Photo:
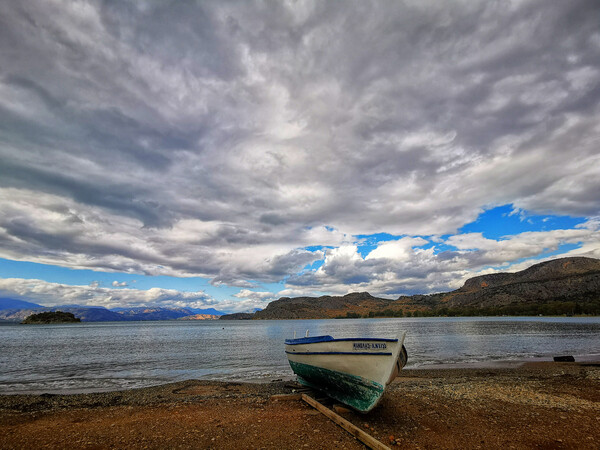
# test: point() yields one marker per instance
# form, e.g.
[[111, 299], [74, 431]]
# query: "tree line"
[[554, 308]]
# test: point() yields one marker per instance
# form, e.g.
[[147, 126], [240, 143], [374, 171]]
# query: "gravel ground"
[[547, 406]]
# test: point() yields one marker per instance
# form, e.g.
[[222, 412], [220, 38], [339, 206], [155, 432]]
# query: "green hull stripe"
[[352, 390]]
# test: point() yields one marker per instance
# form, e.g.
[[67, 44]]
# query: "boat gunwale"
[[319, 339], [340, 353]]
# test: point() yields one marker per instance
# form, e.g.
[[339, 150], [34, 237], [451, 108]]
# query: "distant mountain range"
[[560, 286], [13, 310], [11, 303]]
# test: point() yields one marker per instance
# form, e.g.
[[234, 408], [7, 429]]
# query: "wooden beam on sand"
[[359, 434], [286, 397]]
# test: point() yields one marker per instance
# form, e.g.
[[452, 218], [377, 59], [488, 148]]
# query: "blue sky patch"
[[505, 220], [366, 243]]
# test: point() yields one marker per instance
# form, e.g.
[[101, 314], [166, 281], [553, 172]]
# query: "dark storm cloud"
[[214, 138]]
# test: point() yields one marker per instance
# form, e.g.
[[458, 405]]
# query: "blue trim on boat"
[[367, 339], [338, 353], [316, 339], [309, 340]]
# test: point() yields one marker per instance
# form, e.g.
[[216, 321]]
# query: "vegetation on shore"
[[567, 308], [51, 317]]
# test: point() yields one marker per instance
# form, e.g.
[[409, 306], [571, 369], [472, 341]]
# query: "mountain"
[[237, 316], [11, 303], [560, 286], [101, 314], [154, 313], [75, 305], [210, 311], [322, 307], [93, 314], [201, 317], [559, 280], [18, 315], [246, 315]]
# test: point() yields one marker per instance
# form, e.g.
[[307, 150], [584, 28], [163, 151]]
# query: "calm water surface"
[[90, 357]]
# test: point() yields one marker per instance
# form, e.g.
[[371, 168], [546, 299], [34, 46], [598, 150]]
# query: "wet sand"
[[544, 405]]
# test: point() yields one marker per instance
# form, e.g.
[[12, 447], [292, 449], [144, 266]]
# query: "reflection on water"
[[117, 355]]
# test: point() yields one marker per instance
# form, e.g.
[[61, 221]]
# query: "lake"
[[91, 357]]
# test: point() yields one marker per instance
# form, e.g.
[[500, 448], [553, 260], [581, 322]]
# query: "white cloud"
[[248, 294], [523, 245], [396, 250], [54, 294], [400, 267]]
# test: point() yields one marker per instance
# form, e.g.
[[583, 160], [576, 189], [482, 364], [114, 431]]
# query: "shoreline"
[[547, 404], [226, 321], [470, 365]]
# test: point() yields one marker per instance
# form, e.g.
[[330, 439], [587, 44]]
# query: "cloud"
[[253, 299], [235, 141], [480, 251], [54, 294], [119, 284], [404, 267], [49, 229], [247, 293], [396, 250], [393, 268]]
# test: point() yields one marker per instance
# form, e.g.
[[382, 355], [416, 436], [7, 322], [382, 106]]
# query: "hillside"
[[200, 317], [237, 316], [559, 280], [551, 287], [322, 307]]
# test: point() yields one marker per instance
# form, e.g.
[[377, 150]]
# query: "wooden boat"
[[353, 371]]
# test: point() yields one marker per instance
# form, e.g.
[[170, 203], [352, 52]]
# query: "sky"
[[225, 154]]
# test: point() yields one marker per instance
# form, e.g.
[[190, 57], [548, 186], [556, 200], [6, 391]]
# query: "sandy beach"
[[543, 405]]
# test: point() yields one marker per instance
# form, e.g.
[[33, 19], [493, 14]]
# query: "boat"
[[353, 371]]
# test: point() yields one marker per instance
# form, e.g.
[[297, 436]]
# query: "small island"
[[51, 317]]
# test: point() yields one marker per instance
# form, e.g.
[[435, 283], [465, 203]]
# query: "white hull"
[[353, 371], [373, 359]]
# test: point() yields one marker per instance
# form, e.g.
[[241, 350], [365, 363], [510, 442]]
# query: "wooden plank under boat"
[[353, 371]]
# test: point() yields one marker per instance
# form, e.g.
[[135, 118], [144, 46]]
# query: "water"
[[91, 357]]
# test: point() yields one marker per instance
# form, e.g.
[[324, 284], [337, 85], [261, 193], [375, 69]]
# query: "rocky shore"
[[546, 405]]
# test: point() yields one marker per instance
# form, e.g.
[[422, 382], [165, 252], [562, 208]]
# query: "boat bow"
[[354, 371]]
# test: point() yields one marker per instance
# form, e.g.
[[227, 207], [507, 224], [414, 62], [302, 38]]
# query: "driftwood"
[[286, 397], [359, 434]]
